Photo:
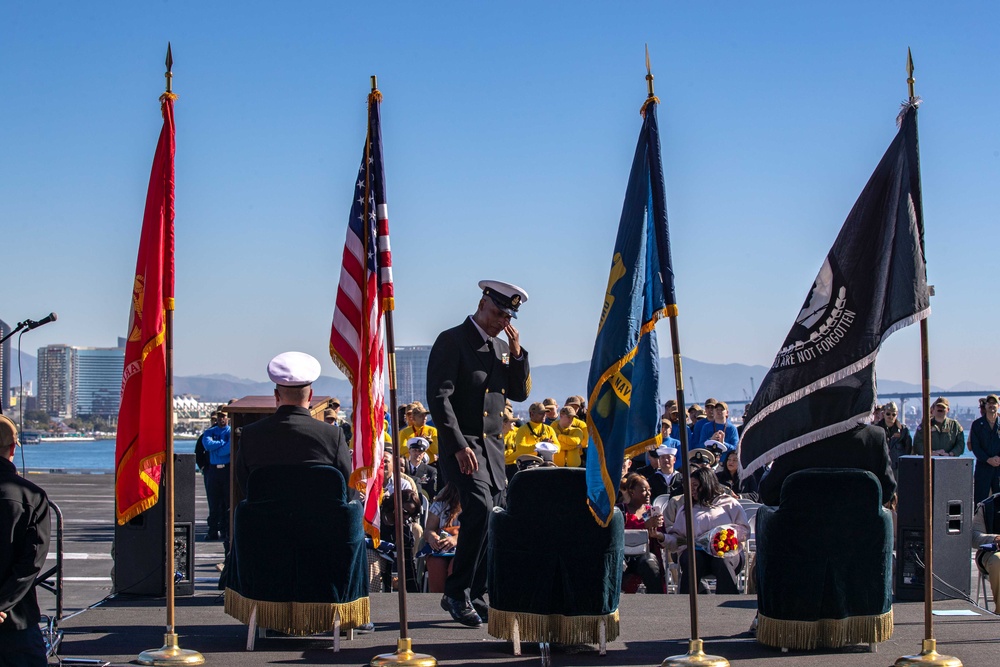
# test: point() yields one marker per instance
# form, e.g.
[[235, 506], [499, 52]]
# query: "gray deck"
[[653, 627]]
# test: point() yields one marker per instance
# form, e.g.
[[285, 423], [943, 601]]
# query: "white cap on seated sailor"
[[293, 369], [418, 443], [546, 450], [664, 450], [505, 296]]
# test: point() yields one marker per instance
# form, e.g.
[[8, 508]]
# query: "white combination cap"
[[506, 296], [293, 369], [418, 443]]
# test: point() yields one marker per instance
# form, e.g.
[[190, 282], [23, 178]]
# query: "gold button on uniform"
[[486, 414]]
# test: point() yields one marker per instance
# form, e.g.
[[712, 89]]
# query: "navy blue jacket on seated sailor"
[[216, 442]]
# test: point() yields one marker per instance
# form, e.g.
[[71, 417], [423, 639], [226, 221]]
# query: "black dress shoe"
[[461, 611], [212, 536], [482, 609]]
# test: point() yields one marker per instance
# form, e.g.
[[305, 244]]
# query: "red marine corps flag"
[[357, 337], [143, 417]]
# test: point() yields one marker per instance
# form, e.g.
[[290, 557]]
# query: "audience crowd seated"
[[557, 436]]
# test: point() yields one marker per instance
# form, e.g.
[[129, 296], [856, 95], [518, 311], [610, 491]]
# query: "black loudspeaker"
[[951, 523], [140, 550]]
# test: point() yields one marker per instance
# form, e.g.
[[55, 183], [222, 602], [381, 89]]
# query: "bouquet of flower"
[[720, 541]]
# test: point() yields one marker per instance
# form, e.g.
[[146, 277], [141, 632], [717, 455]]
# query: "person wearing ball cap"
[[291, 435], [471, 373]]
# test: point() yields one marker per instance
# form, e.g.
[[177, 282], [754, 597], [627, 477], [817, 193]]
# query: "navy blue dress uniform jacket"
[[863, 447], [288, 437], [467, 388], [24, 544]]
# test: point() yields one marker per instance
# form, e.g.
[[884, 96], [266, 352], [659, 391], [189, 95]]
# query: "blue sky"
[[509, 129]]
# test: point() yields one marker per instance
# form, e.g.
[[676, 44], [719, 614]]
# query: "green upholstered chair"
[[824, 562], [554, 574], [298, 562]]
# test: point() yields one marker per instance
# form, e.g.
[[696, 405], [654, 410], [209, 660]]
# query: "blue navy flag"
[[624, 414], [873, 282]]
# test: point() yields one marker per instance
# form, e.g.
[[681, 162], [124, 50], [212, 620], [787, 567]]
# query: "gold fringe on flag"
[[298, 618], [552, 627], [826, 632]]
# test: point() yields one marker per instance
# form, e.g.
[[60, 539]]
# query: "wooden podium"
[[247, 410]]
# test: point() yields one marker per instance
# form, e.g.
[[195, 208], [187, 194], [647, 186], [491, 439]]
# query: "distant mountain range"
[[727, 382], [734, 383]]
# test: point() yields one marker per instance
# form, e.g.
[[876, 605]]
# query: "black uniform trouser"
[[986, 481], [725, 570], [23, 648], [217, 492], [467, 580]]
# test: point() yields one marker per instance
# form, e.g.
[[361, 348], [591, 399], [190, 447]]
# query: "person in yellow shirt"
[[570, 438], [532, 432], [580, 418], [418, 428]]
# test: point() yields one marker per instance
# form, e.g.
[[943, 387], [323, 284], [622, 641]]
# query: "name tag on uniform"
[[505, 359]]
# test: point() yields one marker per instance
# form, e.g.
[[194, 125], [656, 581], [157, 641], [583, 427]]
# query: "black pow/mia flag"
[[874, 281]]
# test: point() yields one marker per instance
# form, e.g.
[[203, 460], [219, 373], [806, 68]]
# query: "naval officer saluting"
[[470, 375]]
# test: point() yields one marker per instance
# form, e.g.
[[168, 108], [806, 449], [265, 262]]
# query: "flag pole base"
[[929, 656], [170, 654], [404, 655], [695, 656]]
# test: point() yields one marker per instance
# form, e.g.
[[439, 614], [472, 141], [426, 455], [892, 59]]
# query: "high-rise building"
[[80, 381], [97, 380], [4, 366], [55, 380], [411, 373]]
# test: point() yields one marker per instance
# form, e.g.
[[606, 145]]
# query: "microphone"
[[51, 317]]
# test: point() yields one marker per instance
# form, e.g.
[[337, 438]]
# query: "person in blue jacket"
[[216, 442]]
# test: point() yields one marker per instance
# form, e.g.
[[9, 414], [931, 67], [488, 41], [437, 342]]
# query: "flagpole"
[[928, 654], [696, 654], [170, 653], [404, 654]]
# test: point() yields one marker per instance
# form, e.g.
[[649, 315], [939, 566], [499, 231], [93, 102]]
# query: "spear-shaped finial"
[[649, 74], [909, 70], [170, 65]]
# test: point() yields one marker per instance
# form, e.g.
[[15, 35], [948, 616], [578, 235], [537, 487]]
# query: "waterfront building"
[[55, 380], [4, 366], [80, 381], [411, 373], [97, 381]]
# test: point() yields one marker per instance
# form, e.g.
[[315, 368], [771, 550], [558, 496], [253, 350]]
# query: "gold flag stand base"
[[404, 655], [929, 656], [171, 654], [695, 656]]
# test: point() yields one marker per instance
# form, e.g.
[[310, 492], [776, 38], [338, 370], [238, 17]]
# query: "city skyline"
[[508, 133]]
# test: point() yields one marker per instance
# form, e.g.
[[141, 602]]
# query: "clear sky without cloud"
[[509, 129]]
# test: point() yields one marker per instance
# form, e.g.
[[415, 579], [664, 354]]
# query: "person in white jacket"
[[713, 507]]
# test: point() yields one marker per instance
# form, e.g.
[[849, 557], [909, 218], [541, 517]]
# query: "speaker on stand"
[[951, 527], [139, 547]]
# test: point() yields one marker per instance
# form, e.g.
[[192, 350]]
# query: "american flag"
[[357, 337]]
